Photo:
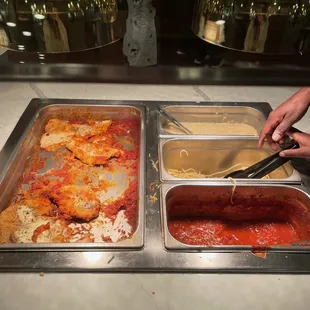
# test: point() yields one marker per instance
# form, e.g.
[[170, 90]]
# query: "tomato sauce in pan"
[[259, 224], [219, 232]]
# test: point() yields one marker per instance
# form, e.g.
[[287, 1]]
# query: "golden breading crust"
[[59, 132], [41, 206], [8, 224], [52, 141], [91, 130], [77, 202], [56, 125], [55, 200], [93, 151]]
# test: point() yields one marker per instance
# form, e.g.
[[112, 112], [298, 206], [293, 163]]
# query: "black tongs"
[[174, 121], [264, 167]]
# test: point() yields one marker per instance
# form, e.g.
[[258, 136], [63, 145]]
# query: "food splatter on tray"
[[80, 185]]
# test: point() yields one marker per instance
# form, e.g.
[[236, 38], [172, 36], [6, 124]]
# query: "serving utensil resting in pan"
[[264, 167], [174, 121]]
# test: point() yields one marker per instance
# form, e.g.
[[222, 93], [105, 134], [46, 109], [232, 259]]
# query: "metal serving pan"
[[211, 114], [14, 159], [153, 256], [215, 201], [211, 155]]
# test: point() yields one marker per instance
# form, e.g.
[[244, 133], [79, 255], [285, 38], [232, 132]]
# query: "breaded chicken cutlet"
[[59, 132]]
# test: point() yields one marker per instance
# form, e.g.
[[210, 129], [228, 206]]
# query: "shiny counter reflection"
[[256, 26], [61, 26]]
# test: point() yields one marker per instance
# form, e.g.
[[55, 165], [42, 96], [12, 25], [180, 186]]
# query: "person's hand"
[[303, 140], [283, 117]]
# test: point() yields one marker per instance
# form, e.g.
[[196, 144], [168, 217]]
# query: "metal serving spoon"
[[264, 167], [174, 121]]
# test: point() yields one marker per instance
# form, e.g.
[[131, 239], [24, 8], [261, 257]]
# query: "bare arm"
[[285, 116]]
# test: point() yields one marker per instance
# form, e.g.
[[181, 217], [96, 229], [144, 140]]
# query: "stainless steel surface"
[[288, 75], [219, 194], [153, 257], [21, 157], [271, 27], [221, 113], [209, 156], [170, 118], [62, 26]]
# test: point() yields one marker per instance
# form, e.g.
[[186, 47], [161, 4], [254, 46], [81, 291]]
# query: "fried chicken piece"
[[41, 206], [18, 221], [59, 132], [77, 202], [95, 151], [90, 130], [55, 125], [52, 141], [8, 224]]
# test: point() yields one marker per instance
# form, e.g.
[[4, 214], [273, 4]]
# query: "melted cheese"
[[50, 140], [102, 228], [29, 223], [121, 228], [48, 235], [92, 130]]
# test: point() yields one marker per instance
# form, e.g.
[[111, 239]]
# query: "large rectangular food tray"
[[213, 155], [220, 210], [148, 252], [27, 147], [230, 112]]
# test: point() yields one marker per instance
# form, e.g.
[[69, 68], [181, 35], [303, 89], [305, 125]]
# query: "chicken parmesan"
[[80, 185]]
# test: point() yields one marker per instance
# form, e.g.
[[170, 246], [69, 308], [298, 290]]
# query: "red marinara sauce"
[[255, 225]]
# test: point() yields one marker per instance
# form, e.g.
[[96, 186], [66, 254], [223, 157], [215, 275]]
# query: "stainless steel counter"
[[153, 257], [285, 75]]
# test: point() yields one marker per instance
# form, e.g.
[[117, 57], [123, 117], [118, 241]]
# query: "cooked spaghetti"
[[183, 151], [186, 174], [191, 173], [233, 189]]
